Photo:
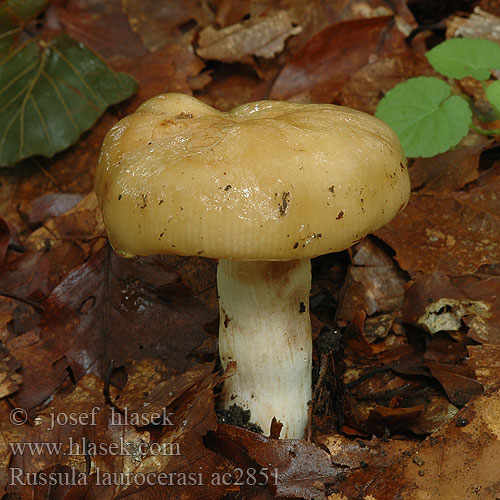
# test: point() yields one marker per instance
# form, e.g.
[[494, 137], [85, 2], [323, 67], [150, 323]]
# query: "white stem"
[[265, 327]]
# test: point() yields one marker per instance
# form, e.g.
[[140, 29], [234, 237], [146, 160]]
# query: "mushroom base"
[[265, 327]]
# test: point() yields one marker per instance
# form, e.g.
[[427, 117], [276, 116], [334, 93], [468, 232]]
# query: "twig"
[[30, 302], [322, 373]]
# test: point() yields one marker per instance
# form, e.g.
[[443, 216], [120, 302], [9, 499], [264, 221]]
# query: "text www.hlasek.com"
[[85, 447]]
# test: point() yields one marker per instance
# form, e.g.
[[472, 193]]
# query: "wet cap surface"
[[266, 181]]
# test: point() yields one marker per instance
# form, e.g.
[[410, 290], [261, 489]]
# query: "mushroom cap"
[[268, 180]]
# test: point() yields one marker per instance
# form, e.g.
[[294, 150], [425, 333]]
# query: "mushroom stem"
[[265, 327]]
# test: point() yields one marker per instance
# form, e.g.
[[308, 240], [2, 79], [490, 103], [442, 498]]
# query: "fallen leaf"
[[10, 380], [168, 69], [374, 284], [4, 239], [461, 457], [449, 171], [484, 360], [435, 303], [263, 36], [102, 26], [318, 72], [362, 460], [100, 312], [296, 468], [460, 233], [365, 87], [161, 23], [51, 93], [51, 205], [480, 24]]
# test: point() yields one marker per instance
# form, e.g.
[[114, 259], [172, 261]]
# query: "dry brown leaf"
[[460, 459], [159, 23], [102, 26], [10, 380], [168, 69], [365, 87], [296, 468], [456, 233], [374, 284], [318, 72], [170, 443], [362, 460], [484, 360], [479, 24], [449, 171], [81, 225], [263, 36]]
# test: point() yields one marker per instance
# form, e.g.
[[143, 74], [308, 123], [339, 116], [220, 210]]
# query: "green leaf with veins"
[[426, 118], [493, 95], [50, 94], [13, 15], [461, 57]]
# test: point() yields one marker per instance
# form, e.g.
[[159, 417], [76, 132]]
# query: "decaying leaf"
[[479, 24], [432, 303], [125, 444], [263, 36]]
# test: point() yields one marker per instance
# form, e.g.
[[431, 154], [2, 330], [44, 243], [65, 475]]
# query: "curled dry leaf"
[[480, 24], [263, 36], [374, 284], [435, 303]]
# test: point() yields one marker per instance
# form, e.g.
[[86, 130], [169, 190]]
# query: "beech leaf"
[[50, 94]]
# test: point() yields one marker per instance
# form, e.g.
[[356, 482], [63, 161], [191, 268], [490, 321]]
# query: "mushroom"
[[263, 188]]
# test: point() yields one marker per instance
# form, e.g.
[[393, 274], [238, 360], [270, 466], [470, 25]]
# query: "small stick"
[[322, 373]]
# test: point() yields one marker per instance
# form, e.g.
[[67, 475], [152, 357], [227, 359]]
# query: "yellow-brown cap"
[[266, 181]]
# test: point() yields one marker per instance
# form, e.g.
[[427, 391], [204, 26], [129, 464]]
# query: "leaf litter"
[[406, 324]]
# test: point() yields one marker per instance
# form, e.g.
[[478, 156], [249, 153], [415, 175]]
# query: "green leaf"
[[493, 95], [13, 15], [461, 57], [427, 120], [50, 94]]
